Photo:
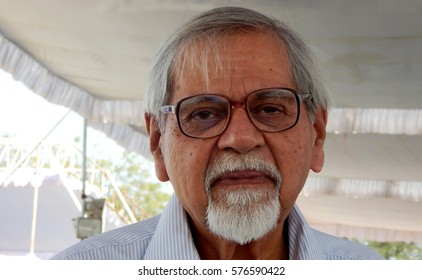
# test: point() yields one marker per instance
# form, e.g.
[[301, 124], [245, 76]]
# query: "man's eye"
[[206, 114], [202, 115], [271, 110], [268, 110]]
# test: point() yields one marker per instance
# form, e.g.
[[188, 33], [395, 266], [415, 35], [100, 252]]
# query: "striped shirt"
[[168, 237]]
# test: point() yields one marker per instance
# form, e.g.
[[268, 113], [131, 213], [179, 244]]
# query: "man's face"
[[247, 62]]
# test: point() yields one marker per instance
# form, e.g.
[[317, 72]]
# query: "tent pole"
[[34, 220], [84, 153]]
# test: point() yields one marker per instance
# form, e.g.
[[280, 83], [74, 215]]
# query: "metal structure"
[[26, 163]]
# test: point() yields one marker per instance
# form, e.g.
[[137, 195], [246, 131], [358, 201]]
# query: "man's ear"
[[319, 125], [155, 147]]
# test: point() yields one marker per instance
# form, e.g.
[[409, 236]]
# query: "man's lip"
[[242, 177]]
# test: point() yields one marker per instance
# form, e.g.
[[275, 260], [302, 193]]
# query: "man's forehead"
[[205, 62]]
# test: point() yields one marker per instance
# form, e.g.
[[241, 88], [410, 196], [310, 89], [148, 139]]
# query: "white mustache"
[[231, 162]]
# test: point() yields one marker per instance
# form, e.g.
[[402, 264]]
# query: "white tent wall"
[[93, 57]]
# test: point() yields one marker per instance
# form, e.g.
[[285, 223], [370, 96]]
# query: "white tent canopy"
[[94, 56]]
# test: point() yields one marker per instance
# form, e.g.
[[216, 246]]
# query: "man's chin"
[[243, 216]]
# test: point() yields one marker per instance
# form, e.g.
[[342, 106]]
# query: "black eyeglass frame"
[[174, 109]]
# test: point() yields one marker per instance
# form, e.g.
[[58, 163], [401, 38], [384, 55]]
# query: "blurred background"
[[74, 156]]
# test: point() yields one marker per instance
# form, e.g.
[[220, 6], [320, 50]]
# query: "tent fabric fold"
[[375, 120], [358, 188], [113, 117], [35, 76]]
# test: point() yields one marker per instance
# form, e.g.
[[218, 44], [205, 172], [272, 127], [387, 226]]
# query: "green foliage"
[[133, 175], [397, 250]]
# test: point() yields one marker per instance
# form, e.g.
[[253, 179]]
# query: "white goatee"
[[242, 215]]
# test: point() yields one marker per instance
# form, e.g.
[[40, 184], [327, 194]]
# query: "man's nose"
[[240, 134]]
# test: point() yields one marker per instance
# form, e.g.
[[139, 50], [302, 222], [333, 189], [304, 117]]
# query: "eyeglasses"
[[208, 115]]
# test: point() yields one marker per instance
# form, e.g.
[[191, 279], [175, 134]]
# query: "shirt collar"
[[302, 242], [172, 239]]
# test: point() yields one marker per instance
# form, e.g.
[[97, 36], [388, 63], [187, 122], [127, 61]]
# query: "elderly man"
[[236, 116]]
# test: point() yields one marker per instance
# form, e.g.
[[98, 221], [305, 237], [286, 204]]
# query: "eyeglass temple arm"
[[166, 109]]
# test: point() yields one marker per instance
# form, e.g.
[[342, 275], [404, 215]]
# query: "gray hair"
[[215, 24]]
